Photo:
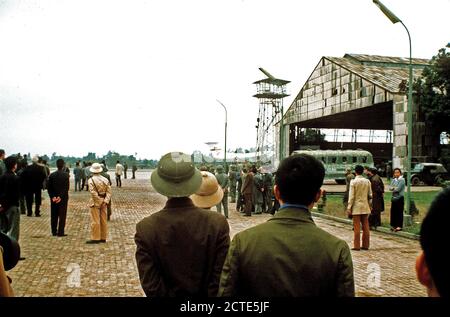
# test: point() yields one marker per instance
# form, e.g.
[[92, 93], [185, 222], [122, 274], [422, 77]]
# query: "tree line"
[[110, 159]]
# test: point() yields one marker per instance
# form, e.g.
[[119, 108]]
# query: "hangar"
[[361, 92]]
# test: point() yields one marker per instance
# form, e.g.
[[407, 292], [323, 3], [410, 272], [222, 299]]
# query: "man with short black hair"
[[58, 190], [432, 264], [289, 255], [32, 180], [359, 207]]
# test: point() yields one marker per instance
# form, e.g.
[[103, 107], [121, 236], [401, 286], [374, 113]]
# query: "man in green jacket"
[[180, 250], [223, 181], [289, 255]]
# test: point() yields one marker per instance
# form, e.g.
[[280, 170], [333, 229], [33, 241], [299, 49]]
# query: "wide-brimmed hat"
[[176, 176], [96, 168], [209, 194], [11, 251]]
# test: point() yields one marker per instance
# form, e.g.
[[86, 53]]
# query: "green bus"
[[337, 161]]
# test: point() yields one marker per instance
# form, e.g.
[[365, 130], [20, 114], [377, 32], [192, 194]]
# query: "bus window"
[[344, 159], [355, 159], [333, 160], [323, 159], [364, 159]]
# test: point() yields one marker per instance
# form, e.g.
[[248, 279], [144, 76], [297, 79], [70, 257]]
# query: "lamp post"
[[282, 135], [225, 150], [394, 19]]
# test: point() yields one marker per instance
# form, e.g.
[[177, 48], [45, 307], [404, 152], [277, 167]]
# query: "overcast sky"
[[80, 76]]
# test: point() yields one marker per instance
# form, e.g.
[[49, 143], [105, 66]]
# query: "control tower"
[[270, 93]]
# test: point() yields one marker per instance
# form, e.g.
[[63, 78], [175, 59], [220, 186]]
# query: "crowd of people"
[[286, 256], [185, 249], [247, 185], [364, 202], [22, 185]]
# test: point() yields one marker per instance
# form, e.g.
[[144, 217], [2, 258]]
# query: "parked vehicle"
[[429, 174], [337, 161]]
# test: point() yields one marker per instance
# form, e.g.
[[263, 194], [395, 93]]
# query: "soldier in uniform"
[[223, 181], [100, 197], [83, 175], [125, 169], [240, 197], [258, 190], [247, 192], [233, 176], [133, 170], [268, 185]]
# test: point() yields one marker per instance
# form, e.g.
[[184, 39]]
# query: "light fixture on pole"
[[394, 19], [225, 149]]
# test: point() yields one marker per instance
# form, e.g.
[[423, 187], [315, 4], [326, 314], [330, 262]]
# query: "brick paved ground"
[[110, 269]]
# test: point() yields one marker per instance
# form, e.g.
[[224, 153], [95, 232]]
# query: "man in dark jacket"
[[9, 199], [247, 191], [377, 197], [21, 166], [58, 190], [432, 262], [289, 255], [180, 249], [32, 180], [133, 170]]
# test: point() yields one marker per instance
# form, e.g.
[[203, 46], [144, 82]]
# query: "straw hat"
[[96, 168], [176, 176], [209, 193]]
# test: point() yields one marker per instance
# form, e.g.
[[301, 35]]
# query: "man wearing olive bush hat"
[[180, 249]]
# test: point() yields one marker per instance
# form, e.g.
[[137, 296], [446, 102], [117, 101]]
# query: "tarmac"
[[66, 266]]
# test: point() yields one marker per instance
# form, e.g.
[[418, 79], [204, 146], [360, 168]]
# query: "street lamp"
[[394, 19], [225, 150]]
